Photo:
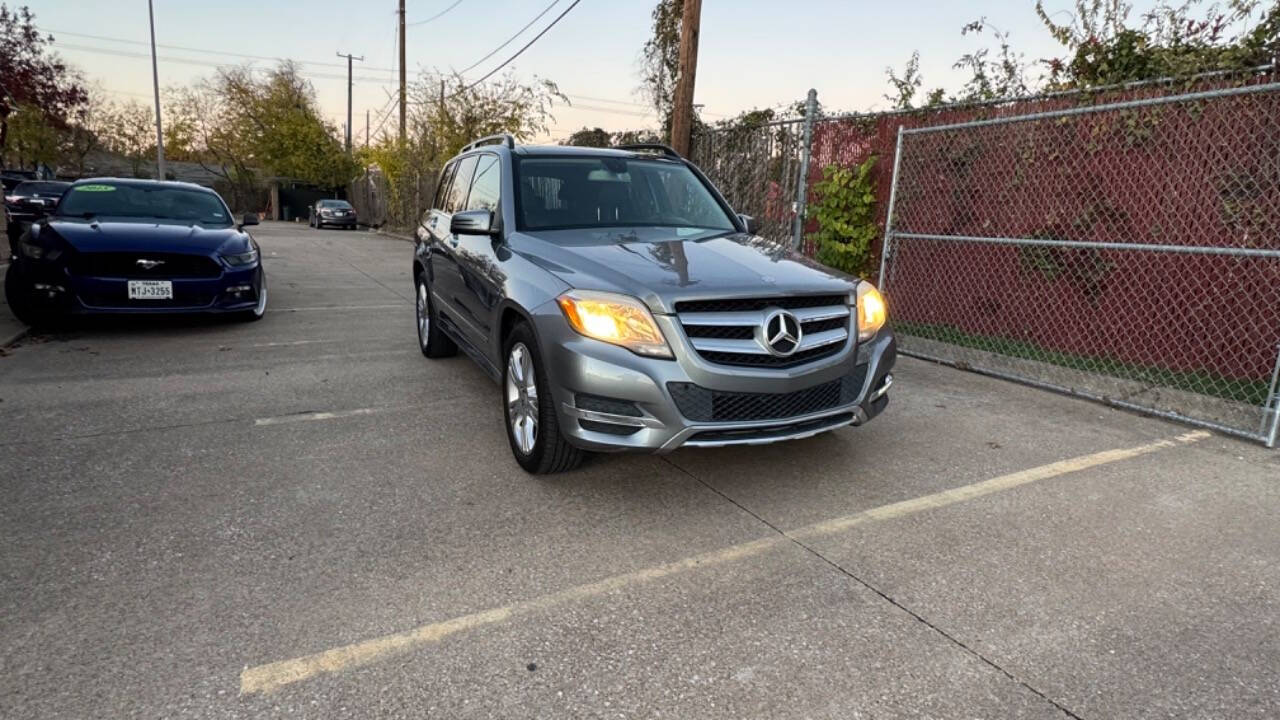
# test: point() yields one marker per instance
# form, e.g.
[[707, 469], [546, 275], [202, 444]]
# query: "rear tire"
[[533, 427], [431, 338]]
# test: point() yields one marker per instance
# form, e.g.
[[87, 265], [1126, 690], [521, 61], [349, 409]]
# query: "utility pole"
[[155, 81], [682, 109], [349, 59], [366, 127], [403, 102]]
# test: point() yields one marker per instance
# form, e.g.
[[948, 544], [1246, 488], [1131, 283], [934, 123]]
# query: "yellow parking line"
[[272, 676]]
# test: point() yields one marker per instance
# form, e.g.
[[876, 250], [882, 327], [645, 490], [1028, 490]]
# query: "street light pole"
[[155, 80]]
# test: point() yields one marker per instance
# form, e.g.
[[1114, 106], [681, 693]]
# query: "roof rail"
[[499, 139], [664, 149]]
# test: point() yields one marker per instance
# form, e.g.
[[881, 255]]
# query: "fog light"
[[237, 289]]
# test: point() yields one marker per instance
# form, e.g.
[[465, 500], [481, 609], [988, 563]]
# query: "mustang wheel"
[[24, 304], [260, 309], [532, 425]]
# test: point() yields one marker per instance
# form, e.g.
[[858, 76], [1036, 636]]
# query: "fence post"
[[802, 184], [887, 246], [1273, 401]]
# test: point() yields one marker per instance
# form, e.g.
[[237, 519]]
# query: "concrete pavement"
[[193, 509]]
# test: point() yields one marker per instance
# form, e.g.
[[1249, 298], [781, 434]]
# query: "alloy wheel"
[[424, 315], [522, 398]]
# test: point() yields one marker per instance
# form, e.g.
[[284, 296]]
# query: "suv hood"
[[663, 265], [144, 236]]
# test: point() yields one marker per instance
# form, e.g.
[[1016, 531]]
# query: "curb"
[[14, 338], [396, 236]]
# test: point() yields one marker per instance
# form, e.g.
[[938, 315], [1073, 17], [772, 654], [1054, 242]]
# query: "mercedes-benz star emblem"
[[781, 333], [149, 264]]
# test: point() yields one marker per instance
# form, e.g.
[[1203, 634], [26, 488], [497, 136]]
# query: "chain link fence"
[[757, 169], [1127, 252]]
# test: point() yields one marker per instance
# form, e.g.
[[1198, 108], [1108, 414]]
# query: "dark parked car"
[[136, 246], [28, 201], [622, 305], [333, 213]]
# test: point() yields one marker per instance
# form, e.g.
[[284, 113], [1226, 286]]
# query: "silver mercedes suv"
[[622, 305]]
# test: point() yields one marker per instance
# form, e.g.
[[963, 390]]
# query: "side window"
[[443, 188], [487, 186], [457, 198]]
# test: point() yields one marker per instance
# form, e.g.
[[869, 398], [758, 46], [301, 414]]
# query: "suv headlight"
[[241, 259], [617, 319], [872, 311]]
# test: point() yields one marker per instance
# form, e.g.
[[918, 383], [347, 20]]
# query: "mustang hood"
[[141, 236], [662, 265]]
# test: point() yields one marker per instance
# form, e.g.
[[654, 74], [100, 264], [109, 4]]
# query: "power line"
[[207, 63], [527, 45], [510, 39], [197, 50], [436, 16]]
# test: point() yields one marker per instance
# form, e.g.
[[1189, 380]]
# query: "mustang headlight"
[[872, 311], [242, 259], [35, 252], [617, 319]]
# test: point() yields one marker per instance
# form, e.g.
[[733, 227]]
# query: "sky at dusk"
[[753, 53]]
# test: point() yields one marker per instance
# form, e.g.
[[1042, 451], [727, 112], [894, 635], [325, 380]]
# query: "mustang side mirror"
[[472, 222], [248, 219], [749, 223]]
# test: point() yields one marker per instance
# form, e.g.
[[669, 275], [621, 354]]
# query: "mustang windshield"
[[556, 193], [161, 202]]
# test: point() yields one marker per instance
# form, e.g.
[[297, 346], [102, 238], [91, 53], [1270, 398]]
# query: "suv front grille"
[[703, 405], [729, 331]]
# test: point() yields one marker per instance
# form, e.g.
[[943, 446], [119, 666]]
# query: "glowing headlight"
[[872, 311], [617, 319]]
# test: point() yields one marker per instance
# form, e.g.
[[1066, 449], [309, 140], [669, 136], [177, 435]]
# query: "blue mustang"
[[136, 246]]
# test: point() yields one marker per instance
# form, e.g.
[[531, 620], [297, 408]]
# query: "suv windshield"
[[556, 193], [141, 201]]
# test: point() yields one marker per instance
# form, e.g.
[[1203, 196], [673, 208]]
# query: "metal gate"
[[1127, 252]]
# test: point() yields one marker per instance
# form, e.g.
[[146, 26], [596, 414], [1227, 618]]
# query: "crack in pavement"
[[883, 595]]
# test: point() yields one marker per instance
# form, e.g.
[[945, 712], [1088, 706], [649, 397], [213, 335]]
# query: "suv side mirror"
[[249, 219], [749, 223], [472, 222]]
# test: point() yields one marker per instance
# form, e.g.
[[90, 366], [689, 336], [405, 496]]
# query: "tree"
[[450, 112], [31, 76], [129, 129], [590, 137], [660, 58]]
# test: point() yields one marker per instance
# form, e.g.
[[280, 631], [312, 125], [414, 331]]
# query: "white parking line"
[[272, 676], [313, 416], [292, 343], [399, 306]]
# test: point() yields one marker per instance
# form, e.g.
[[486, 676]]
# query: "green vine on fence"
[[844, 205]]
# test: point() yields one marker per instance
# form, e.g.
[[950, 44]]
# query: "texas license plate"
[[150, 290]]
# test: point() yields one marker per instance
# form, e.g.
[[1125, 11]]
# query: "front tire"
[[533, 427], [23, 303], [260, 310], [431, 338]]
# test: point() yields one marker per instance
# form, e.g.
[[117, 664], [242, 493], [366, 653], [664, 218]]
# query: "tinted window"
[[443, 188], [338, 204], [457, 198], [487, 185], [44, 188], [576, 192], [142, 201]]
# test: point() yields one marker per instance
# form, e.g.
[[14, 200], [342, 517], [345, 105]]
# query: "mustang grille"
[[125, 265]]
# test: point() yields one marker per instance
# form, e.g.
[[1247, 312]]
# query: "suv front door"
[[477, 257], [446, 280]]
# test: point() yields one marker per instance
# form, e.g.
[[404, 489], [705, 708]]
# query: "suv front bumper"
[[610, 399]]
